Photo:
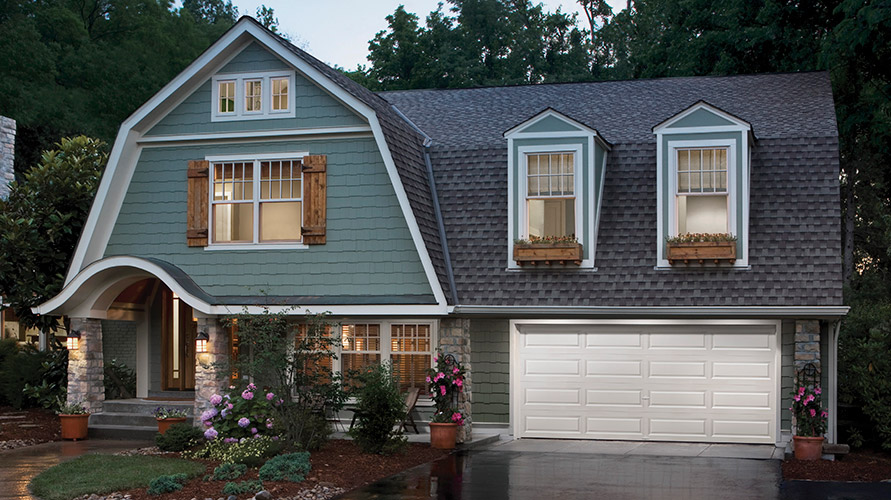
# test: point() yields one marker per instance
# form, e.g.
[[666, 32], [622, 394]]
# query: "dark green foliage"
[[179, 437], [242, 487], [167, 484], [40, 224], [226, 472], [292, 467], [29, 377], [120, 381], [380, 407]]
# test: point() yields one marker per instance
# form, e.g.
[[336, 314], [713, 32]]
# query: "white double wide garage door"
[[694, 382]]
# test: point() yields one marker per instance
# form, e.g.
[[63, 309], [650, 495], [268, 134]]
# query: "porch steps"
[[131, 418]]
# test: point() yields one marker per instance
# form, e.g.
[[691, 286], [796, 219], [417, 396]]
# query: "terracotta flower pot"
[[808, 448], [74, 426], [443, 436], [165, 423]]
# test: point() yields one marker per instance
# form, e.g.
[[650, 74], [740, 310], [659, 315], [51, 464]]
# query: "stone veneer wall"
[[7, 154], [212, 367], [807, 344], [119, 342], [86, 380], [454, 339]]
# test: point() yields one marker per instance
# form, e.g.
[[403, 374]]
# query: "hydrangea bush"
[[240, 414], [445, 382], [808, 414]]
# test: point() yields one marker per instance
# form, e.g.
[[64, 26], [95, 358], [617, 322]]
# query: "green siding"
[[313, 106], [520, 181], [701, 118], [490, 359], [788, 374], [550, 124], [666, 195], [369, 250]]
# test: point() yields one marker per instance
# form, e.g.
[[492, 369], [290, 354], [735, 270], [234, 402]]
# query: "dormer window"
[[550, 194], [702, 198], [252, 96]]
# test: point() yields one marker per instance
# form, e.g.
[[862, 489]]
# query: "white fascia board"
[[739, 124], [105, 210], [314, 133], [799, 312]]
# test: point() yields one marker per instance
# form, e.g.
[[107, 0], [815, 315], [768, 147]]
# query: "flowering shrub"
[[240, 414], [700, 237], [249, 451], [808, 414], [547, 240], [445, 382], [163, 413]]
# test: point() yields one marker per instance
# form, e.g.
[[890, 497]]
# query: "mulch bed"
[[859, 465], [26, 427], [339, 464]]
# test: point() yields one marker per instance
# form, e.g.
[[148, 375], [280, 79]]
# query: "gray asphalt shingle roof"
[[794, 210]]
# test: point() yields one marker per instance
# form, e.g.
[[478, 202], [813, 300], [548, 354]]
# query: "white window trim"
[[256, 244], [386, 345], [241, 80], [521, 197], [734, 192]]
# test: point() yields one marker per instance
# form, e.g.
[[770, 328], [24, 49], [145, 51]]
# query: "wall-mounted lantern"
[[201, 342], [73, 340]]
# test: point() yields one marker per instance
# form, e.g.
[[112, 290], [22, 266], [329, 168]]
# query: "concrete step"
[[143, 406], [122, 431], [131, 419], [173, 395]]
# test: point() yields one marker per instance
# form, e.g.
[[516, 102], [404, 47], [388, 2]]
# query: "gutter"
[[759, 312], [437, 210]]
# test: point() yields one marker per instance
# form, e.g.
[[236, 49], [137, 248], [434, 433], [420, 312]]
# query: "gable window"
[[253, 96], [550, 194], [257, 201], [279, 94], [702, 198], [226, 99]]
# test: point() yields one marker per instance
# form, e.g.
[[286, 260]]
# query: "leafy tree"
[[212, 11], [41, 222]]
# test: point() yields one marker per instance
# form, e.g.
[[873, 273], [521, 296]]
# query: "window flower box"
[[561, 252], [717, 247]]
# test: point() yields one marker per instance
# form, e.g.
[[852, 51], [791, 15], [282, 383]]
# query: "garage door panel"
[[704, 383], [551, 397], [603, 368], [614, 398]]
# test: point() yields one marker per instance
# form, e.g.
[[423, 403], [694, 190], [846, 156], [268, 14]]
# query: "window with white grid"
[[253, 96], [233, 205], [281, 200], [410, 350], [226, 91], [360, 346], [702, 198], [550, 194], [280, 94]]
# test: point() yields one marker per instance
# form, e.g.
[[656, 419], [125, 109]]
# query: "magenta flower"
[[458, 382], [269, 396], [229, 406], [208, 423], [824, 414], [216, 399], [455, 370], [442, 390], [243, 422], [429, 380], [813, 412], [210, 434], [818, 391], [251, 387], [247, 394]]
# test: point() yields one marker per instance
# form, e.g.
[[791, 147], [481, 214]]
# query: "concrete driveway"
[[541, 469]]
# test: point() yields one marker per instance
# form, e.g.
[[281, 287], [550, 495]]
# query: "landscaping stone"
[[263, 495]]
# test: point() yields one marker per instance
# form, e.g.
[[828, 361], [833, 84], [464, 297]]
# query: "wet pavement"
[[19, 466]]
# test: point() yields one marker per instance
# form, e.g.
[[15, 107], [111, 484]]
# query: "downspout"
[[437, 210], [833, 382]]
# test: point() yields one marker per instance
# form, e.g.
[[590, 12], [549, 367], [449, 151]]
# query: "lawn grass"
[[106, 473]]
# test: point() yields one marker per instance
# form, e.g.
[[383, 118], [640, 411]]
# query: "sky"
[[338, 31]]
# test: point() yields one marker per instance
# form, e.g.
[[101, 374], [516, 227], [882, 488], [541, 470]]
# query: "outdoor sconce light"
[[73, 340], [201, 349]]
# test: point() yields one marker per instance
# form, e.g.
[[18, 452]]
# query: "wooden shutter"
[[315, 188], [196, 228]]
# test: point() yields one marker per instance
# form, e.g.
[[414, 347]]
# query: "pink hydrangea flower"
[[269, 396], [247, 394], [216, 399], [251, 387]]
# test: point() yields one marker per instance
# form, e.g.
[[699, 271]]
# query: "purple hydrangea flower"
[[269, 396], [243, 422], [211, 434], [208, 423], [248, 395], [216, 399], [209, 414], [253, 430], [230, 440], [224, 413]]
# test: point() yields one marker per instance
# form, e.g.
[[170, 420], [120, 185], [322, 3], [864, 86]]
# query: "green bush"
[[120, 381], [380, 408], [167, 484], [865, 383], [292, 467], [179, 437], [252, 452], [242, 487], [21, 367], [53, 377], [226, 472]]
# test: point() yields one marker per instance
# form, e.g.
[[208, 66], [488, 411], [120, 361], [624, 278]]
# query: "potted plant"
[[809, 418], [445, 382], [548, 250], [168, 416], [74, 419], [717, 247]]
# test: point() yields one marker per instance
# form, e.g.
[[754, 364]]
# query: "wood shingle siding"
[[490, 357]]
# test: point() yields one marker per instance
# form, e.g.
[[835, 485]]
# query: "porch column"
[[86, 378], [212, 367], [807, 344], [454, 339]]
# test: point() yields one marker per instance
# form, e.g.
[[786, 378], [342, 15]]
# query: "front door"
[[180, 329]]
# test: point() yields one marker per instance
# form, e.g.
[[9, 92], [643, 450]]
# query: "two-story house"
[[260, 177]]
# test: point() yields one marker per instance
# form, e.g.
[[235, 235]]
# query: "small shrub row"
[[242, 487], [227, 472], [179, 437], [292, 467], [167, 484]]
